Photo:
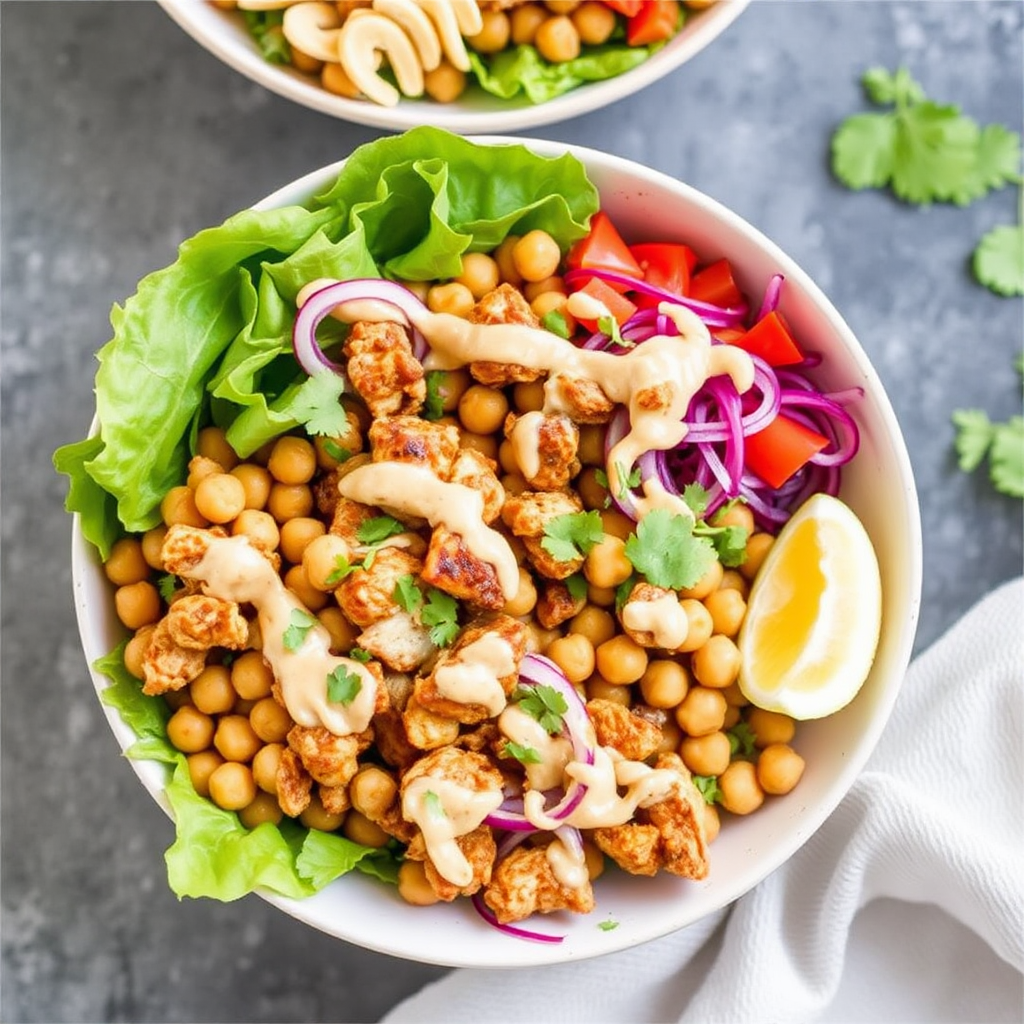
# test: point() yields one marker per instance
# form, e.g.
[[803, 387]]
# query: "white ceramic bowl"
[[225, 36], [879, 486]]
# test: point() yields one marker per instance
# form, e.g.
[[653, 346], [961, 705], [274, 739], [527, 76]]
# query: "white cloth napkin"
[[907, 904]]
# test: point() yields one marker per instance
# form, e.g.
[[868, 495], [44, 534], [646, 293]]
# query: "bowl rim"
[[201, 23], [473, 951]]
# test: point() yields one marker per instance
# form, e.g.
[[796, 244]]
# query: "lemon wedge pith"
[[813, 615]]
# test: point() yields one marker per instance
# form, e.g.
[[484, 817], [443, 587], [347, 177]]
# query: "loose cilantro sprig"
[[544, 704], [666, 550], [742, 740], [555, 322], [628, 480], [316, 405], [522, 753], [571, 536], [343, 568], [343, 686], [609, 326], [300, 622], [433, 405], [707, 786], [438, 610], [168, 585]]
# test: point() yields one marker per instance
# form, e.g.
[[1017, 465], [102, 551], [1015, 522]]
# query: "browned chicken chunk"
[[329, 759], [383, 370], [528, 513], [557, 439], [476, 471], [413, 440], [504, 305], [367, 595], [635, 738], [202, 622], [557, 605], [452, 567], [166, 665], [524, 883]]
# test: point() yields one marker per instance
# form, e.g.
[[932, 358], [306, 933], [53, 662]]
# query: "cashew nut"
[[445, 15], [265, 5], [360, 39], [410, 16], [313, 28]]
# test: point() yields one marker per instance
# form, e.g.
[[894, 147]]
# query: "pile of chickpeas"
[[232, 729]]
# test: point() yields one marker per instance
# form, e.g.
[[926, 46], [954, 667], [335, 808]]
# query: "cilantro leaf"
[[998, 260], [407, 594], [360, 655], [696, 498], [601, 477], [267, 30], [623, 590], [378, 529], [434, 806], [666, 551], [707, 786], [316, 404], [342, 569], [167, 585], [577, 586], [335, 450], [996, 162], [433, 405], [610, 326], [300, 622], [608, 926], [571, 536], [973, 437], [1003, 443], [522, 753], [555, 322], [729, 542], [544, 704], [343, 686], [628, 479], [741, 740], [441, 613]]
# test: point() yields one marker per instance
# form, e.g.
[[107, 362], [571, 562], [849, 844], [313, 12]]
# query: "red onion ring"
[[770, 301], [510, 929]]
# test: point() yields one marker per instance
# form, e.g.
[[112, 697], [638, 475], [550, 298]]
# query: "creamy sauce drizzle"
[[233, 570], [412, 490], [444, 810], [663, 617], [568, 865], [473, 678], [555, 752], [525, 440]]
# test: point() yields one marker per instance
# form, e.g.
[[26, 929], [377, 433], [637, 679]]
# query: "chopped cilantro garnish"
[[623, 590], [433, 405], [696, 497], [335, 451], [1003, 444], [168, 585], [522, 753], [358, 654], [342, 568], [407, 594], [434, 806], [610, 326], [707, 786], [666, 551], [316, 406], [378, 529], [568, 537], [998, 260], [628, 479], [300, 622], [741, 740], [608, 926], [576, 584], [729, 542], [555, 322], [441, 613], [544, 704], [343, 686]]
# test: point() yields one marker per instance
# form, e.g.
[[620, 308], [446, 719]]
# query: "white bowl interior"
[[223, 34], [647, 205]]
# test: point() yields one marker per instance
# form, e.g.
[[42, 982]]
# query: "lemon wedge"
[[813, 615]]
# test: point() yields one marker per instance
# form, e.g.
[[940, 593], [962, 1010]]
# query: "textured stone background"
[[120, 137]]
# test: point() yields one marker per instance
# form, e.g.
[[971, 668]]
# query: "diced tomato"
[[666, 265], [770, 339], [715, 284], [655, 22], [783, 447], [729, 335], [617, 304], [604, 249], [626, 7]]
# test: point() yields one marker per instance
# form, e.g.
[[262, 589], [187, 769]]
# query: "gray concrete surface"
[[120, 137]]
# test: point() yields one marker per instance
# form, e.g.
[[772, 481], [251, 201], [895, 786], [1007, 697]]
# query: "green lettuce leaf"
[[145, 716], [96, 507], [325, 856]]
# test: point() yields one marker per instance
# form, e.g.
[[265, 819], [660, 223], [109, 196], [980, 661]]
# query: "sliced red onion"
[[304, 342], [770, 301], [510, 929], [618, 428]]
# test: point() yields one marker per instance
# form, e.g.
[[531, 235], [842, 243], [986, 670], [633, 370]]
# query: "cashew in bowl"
[[314, 27], [361, 38]]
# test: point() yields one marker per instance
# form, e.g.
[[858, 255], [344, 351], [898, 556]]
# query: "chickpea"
[[779, 769], [590, 449], [175, 699], [372, 791], [212, 692], [606, 564], [700, 625], [413, 886], [212, 443], [594, 22], [707, 583], [736, 513], [292, 460], [557, 40], [536, 255], [220, 497], [199, 468], [741, 792], [554, 302], [671, 737], [317, 816], [621, 660], [524, 21], [716, 663], [758, 545], [483, 409], [712, 823], [360, 829], [454, 298], [200, 767], [264, 807], [135, 650], [485, 444], [232, 786], [600, 689], [256, 481], [528, 396], [289, 501], [596, 624], [260, 527], [479, 273], [265, 765], [331, 452], [190, 730], [734, 696], [297, 534], [306, 63], [701, 712], [539, 639], [251, 676], [445, 83], [617, 524], [494, 34], [514, 483], [526, 596], [152, 544], [535, 289], [706, 755], [343, 633], [732, 717], [179, 507], [664, 684], [270, 721], [451, 386], [506, 265], [324, 559], [335, 80], [137, 604], [770, 728], [574, 655], [127, 563], [603, 596], [235, 738], [296, 580], [592, 492], [727, 608], [732, 579]]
